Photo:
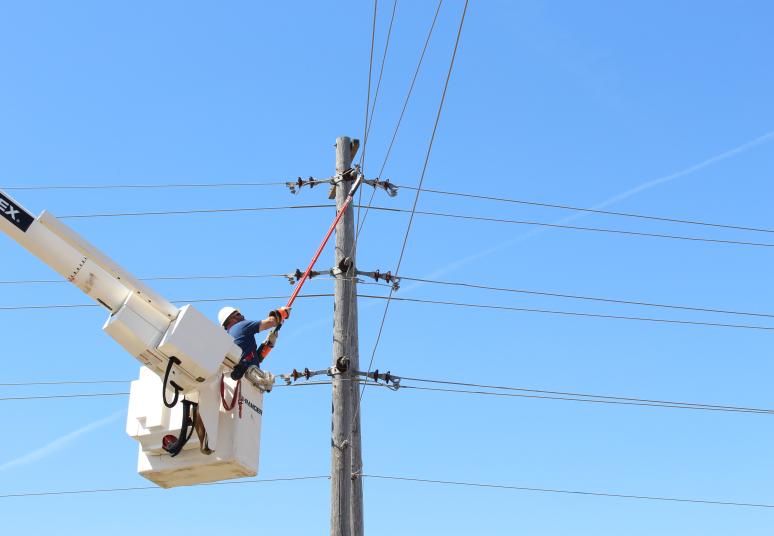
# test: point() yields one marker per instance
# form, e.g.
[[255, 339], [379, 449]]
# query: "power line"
[[103, 395], [141, 488], [424, 213], [360, 223], [619, 399], [416, 197], [411, 87], [421, 178], [157, 278], [590, 210], [381, 72], [575, 227], [438, 282], [540, 394], [571, 492], [579, 297], [570, 313], [427, 190], [62, 382], [399, 478], [79, 395], [144, 186], [430, 302], [593, 400], [193, 278], [200, 300], [368, 92], [195, 211]]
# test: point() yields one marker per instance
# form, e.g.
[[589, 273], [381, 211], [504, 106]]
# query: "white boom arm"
[[146, 324], [156, 333]]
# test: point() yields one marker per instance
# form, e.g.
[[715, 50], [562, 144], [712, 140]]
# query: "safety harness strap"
[[228, 406], [201, 432]]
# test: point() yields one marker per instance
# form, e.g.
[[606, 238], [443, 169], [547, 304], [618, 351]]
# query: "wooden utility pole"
[[346, 503]]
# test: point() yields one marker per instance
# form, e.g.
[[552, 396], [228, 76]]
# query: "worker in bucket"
[[244, 332]]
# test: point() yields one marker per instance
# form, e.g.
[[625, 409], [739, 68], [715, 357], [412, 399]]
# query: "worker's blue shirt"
[[244, 335]]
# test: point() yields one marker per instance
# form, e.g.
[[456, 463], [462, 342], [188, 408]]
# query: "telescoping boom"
[[181, 345], [182, 352]]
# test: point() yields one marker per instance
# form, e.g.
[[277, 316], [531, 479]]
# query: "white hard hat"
[[224, 313]]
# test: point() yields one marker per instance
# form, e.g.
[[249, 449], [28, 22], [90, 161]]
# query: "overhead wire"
[[192, 211], [360, 224], [492, 307], [103, 395], [368, 92], [367, 130], [569, 313], [61, 382], [90, 491], [198, 300], [488, 389], [571, 492], [573, 227], [589, 210], [697, 407], [586, 395], [583, 297], [142, 488], [416, 200], [414, 212], [144, 186], [77, 395], [461, 284], [407, 187], [155, 278], [381, 72]]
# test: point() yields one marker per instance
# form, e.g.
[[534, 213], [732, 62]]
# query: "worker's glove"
[[280, 315]]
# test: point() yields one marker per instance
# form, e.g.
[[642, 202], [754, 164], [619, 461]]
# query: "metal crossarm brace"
[[390, 380], [349, 175]]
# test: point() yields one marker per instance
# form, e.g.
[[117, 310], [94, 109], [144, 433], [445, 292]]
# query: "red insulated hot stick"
[[268, 344]]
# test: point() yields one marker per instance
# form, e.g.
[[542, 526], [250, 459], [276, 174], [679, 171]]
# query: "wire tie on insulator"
[[395, 384], [392, 191]]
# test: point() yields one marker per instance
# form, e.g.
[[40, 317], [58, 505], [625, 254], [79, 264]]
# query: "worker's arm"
[[275, 318], [268, 323]]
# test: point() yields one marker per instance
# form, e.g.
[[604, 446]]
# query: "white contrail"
[[610, 201], [59, 443], [687, 171]]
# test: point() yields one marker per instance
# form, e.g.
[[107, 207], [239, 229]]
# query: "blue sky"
[[658, 108]]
